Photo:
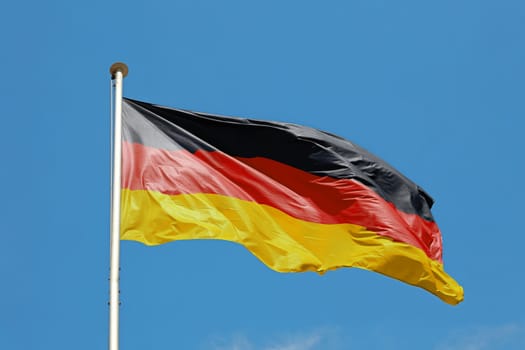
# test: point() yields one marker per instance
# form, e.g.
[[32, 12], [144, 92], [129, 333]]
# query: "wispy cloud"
[[237, 342], [322, 339], [304, 342], [508, 336]]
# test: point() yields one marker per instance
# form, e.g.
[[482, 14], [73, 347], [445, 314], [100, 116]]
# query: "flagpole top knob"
[[118, 67]]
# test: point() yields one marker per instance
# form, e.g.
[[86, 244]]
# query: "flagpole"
[[118, 72]]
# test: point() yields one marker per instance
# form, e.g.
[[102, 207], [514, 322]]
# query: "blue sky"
[[435, 88]]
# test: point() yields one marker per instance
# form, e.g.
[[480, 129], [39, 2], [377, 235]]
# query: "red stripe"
[[265, 181]]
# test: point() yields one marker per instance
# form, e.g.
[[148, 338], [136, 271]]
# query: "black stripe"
[[305, 148]]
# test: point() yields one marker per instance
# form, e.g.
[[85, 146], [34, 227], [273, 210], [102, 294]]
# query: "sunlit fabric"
[[298, 198]]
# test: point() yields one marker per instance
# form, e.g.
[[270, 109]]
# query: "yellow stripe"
[[283, 243]]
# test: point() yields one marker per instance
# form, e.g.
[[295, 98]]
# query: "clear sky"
[[436, 88]]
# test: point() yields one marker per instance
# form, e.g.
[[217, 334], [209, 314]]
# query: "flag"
[[298, 198]]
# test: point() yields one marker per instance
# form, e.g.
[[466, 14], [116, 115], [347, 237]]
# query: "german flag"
[[298, 198]]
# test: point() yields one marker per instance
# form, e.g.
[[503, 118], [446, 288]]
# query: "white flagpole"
[[118, 72]]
